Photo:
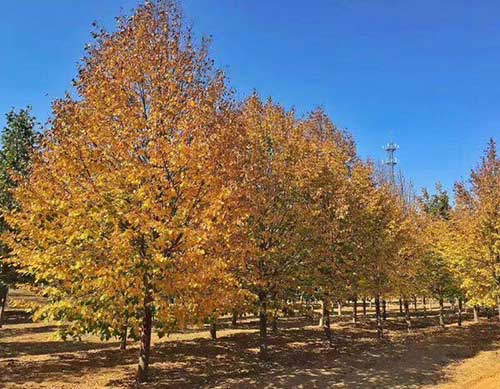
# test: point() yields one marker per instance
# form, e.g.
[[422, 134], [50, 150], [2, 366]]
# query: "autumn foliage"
[[155, 200]]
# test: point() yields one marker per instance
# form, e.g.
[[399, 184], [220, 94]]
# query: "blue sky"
[[426, 73]]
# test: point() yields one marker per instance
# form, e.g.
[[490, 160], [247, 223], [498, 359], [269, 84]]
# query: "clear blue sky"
[[427, 72]]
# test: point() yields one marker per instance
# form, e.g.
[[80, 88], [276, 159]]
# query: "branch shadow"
[[297, 357]]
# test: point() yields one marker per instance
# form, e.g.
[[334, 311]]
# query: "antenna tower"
[[391, 161]]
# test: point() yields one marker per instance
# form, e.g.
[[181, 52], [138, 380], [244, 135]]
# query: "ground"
[[469, 357]]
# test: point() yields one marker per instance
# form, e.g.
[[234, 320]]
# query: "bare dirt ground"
[[469, 357]]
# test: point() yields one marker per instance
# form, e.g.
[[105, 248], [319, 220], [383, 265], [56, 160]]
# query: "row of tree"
[[153, 197]]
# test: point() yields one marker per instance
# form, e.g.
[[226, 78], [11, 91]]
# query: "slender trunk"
[[144, 353], [475, 310], [407, 315], [274, 322], [123, 336], [213, 328], [380, 328], [3, 302], [384, 309], [370, 303], [400, 307], [234, 320], [459, 313], [339, 308], [355, 310], [441, 312], [263, 326], [415, 303], [364, 307], [425, 307], [322, 317], [326, 322]]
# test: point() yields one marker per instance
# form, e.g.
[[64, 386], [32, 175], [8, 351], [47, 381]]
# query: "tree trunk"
[[4, 293], [234, 320], [407, 315], [326, 322], [322, 317], [213, 328], [355, 310], [123, 336], [339, 308], [263, 326], [144, 353], [475, 310], [415, 303], [370, 303], [384, 309], [425, 307], [380, 328], [459, 312], [274, 322], [441, 312], [401, 307], [364, 307]]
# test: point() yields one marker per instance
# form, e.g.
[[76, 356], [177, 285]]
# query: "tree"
[[18, 141], [330, 212], [271, 150], [441, 281], [379, 241], [473, 245], [124, 213]]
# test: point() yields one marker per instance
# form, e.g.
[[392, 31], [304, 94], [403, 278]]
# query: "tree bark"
[[322, 317], [364, 307], [459, 312], [407, 315], [441, 312], [400, 306], [384, 309], [425, 307], [415, 303], [213, 328], [234, 320], [339, 308], [475, 310], [274, 322], [123, 337], [355, 310], [326, 322], [263, 326], [4, 293], [144, 353], [380, 328]]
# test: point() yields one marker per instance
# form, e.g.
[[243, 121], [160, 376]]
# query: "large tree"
[[123, 215]]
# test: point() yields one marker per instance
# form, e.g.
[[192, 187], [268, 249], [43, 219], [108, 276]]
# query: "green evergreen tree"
[[18, 138]]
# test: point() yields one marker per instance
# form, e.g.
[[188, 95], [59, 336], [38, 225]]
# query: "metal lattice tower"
[[391, 160]]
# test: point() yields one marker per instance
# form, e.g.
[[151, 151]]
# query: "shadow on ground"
[[298, 356]]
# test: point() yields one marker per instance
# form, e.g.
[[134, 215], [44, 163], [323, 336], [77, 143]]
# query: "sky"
[[425, 74]]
